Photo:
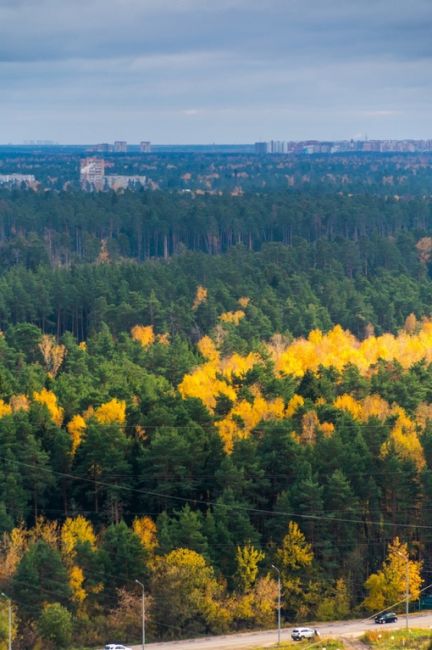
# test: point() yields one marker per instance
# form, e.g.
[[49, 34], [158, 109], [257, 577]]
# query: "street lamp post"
[[407, 589], [143, 612], [9, 620], [407, 585], [279, 601]]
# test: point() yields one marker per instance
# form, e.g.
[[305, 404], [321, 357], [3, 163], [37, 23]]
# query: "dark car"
[[387, 617]]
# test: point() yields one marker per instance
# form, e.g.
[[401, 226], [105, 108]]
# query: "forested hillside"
[[192, 390]]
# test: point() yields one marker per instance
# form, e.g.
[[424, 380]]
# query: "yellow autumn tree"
[[146, 530], [75, 530], [247, 560], [388, 585], [112, 412], [144, 334], [5, 409], [295, 403], [19, 403], [49, 399], [292, 558], [46, 530], [310, 427], [53, 354], [76, 429], [232, 317], [13, 546], [208, 349], [187, 594], [348, 403], [76, 581], [404, 441], [200, 297]]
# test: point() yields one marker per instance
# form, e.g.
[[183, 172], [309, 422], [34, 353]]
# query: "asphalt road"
[[246, 640]]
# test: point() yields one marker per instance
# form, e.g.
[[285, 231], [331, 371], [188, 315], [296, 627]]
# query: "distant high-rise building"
[[278, 146], [120, 146], [262, 147], [92, 173], [145, 146]]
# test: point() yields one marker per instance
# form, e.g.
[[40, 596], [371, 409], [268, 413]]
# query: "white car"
[[300, 633], [116, 646]]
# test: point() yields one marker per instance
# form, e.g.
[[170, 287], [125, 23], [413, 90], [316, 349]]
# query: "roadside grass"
[[399, 639]]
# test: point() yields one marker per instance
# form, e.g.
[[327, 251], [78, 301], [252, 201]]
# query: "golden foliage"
[[244, 301], [146, 530], [5, 409], [76, 428], [49, 399], [374, 406], [104, 256], [310, 426], [19, 403], [83, 346], [52, 354], [233, 317], [204, 382], [423, 415], [46, 530], [339, 347], [327, 429], [404, 440], [245, 416], [424, 247], [13, 547], [200, 297], [247, 559], [74, 530], [295, 551], [257, 606], [410, 325], [236, 366], [208, 349], [163, 339], [348, 403], [76, 581], [294, 404], [388, 585], [112, 412], [219, 376], [143, 334]]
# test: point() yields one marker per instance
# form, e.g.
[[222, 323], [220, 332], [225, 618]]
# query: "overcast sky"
[[224, 71]]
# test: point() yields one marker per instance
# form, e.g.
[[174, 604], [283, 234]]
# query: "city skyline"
[[193, 71]]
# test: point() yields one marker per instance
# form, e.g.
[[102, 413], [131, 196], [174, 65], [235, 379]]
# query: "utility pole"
[[9, 620], [143, 612], [279, 601]]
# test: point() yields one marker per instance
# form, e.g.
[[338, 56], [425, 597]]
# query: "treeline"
[[69, 227], [292, 289]]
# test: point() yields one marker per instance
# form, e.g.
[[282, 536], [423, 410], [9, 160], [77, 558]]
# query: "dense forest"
[[193, 389]]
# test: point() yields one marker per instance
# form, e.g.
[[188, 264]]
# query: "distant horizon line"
[[54, 143]]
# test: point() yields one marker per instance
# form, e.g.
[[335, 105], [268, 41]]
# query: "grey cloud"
[[96, 28], [238, 68]]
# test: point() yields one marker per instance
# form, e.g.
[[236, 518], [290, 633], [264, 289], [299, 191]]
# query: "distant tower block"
[[145, 146], [92, 173], [120, 146]]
